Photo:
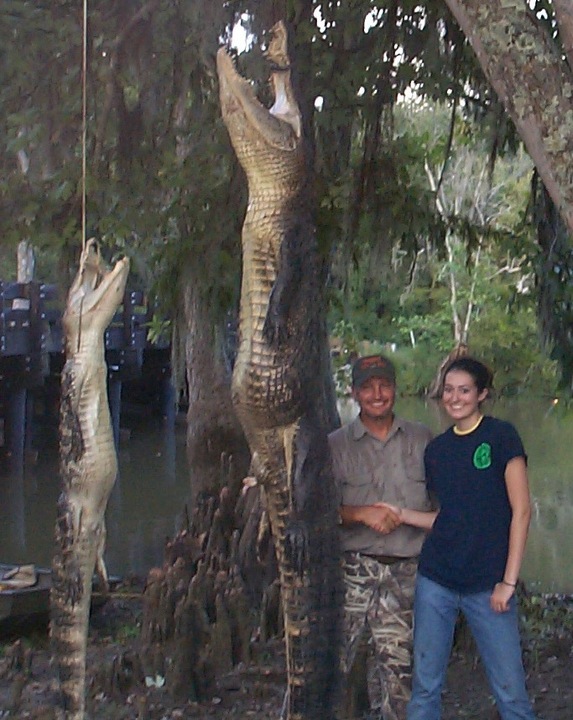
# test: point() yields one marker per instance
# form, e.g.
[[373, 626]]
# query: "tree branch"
[[564, 15], [111, 84], [526, 69]]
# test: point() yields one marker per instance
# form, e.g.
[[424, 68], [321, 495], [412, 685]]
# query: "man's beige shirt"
[[368, 470]]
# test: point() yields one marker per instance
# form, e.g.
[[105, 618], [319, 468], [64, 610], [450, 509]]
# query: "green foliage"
[[127, 632], [545, 620], [158, 330], [504, 334], [416, 368], [507, 339], [472, 262]]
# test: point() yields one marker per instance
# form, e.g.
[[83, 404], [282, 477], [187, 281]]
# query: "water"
[[147, 505], [149, 501], [547, 434]]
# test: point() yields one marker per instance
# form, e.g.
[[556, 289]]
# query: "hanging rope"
[[84, 118]]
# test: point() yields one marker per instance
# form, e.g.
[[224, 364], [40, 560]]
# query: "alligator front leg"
[[280, 320]]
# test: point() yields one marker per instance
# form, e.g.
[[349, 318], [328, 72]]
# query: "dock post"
[[29, 429], [167, 400], [114, 396], [15, 427]]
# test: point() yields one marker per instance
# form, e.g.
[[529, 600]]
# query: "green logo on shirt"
[[482, 456]]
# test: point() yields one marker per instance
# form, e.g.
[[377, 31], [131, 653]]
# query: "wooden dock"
[[32, 354], [26, 605]]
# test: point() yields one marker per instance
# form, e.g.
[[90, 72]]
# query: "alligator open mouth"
[[280, 125]]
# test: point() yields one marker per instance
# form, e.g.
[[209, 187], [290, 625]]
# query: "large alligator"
[[88, 467], [276, 377]]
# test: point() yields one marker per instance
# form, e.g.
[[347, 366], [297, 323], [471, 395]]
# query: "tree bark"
[[527, 70], [213, 431]]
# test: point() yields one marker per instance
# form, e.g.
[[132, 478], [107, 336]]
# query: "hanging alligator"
[[88, 467], [276, 377]]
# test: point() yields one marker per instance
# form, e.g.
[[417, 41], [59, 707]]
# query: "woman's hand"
[[500, 597], [382, 518], [393, 508], [423, 519]]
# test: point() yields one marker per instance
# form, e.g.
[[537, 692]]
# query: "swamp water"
[[150, 500]]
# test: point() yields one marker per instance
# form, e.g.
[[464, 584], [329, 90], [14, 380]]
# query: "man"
[[379, 458]]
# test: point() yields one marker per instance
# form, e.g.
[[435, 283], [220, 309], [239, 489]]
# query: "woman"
[[471, 558]]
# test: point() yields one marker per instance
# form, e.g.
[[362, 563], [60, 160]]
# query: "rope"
[[84, 118]]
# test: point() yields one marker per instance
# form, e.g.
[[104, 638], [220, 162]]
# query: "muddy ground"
[[116, 692]]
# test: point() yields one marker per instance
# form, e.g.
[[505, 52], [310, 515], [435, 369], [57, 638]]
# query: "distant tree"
[[526, 51]]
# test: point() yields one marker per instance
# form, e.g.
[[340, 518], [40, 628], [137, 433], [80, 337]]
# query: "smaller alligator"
[[88, 467]]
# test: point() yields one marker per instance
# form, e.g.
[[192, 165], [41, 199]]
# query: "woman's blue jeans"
[[497, 637]]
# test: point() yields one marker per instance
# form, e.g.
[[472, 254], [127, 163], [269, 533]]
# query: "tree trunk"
[[534, 82], [200, 608], [213, 431]]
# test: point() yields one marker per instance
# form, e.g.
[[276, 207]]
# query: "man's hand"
[[381, 518]]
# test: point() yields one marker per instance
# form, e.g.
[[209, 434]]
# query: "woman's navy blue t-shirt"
[[466, 550]]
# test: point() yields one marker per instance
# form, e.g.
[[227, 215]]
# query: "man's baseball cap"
[[372, 366]]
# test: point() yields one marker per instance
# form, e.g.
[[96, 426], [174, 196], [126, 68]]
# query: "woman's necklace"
[[457, 431]]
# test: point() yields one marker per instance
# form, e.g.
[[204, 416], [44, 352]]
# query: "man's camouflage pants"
[[379, 602]]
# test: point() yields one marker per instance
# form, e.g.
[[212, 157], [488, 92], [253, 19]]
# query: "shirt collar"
[[359, 431]]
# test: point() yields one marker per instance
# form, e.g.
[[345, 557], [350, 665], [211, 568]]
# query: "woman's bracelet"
[[504, 582]]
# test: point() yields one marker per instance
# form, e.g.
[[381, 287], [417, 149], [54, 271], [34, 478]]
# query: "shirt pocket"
[[358, 489], [413, 461], [415, 490]]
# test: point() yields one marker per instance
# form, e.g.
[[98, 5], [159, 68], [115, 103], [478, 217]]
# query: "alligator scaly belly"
[[275, 378], [88, 468]]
